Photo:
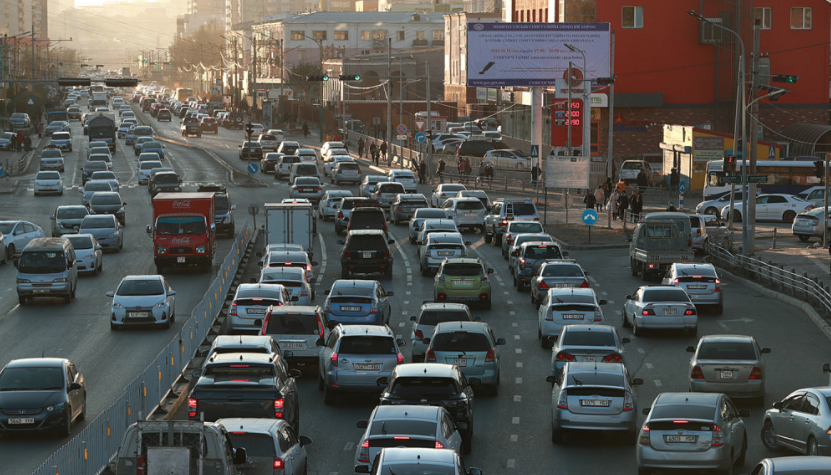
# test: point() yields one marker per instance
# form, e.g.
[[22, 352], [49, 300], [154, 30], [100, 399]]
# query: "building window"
[[342, 35], [319, 35], [379, 34], [399, 36], [438, 35], [632, 17], [763, 16], [801, 18], [297, 35], [301, 54], [419, 35], [366, 35]]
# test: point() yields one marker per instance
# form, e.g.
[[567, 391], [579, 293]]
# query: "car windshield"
[[137, 288], [147, 145], [367, 345], [97, 222], [424, 387], [41, 262], [293, 324], [460, 341], [166, 179], [105, 199], [31, 379], [666, 295], [462, 269], [71, 213], [452, 188], [631, 166], [173, 225], [526, 228], [726, 350], [523, 209], [256, 445], [434, 317], [222, 205], [588, 338], [80, 242], [562, 271], [51, 154]]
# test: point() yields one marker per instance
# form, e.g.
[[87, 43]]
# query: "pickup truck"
[[655, 245], [191, 126], [165, 447], [245, 385]]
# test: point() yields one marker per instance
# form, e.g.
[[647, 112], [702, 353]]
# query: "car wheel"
[[482, 230], [769, 437], [467, 442], [10, 252], [636, 330], [497, 240], [21, 300], [488, 237], [320, 383], [67, 298], [644, 471], [720, 308], [633, 267], [813, 447], [803, 237], [743, 453], [711, 211], [737, 216], [788, 217], [625, 320], [73, 289]]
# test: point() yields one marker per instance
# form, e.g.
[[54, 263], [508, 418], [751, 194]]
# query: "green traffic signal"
[[155, 64], [786, 78], [349, 77], [317, 78], [170, 63]]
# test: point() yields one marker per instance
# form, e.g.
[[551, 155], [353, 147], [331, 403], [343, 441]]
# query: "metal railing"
[[803, 287], [89, 451]]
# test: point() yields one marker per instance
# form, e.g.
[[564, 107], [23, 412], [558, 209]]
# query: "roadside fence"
[[89, 451]]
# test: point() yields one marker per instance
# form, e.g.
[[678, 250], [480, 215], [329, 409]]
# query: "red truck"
[[183, 230]]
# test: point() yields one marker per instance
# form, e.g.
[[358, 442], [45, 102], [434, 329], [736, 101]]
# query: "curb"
[[820, 322], [588, 247], [9, 191]]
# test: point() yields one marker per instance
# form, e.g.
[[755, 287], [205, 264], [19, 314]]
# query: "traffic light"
[[155, 63], [819, 168], [121, 82], [73, 81], [729, 163], [350, 77], [610, 80], [787, 78], [317, 78], [170, 63]]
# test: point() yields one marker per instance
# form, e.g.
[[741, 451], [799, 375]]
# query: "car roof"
[[366, 232], [461, 326], [433, 306], [242, 341], [796, 464], [136, 277], [727, 338], [591, 367], [463, 260], [540, 243], [37, 363], [405, 412], [372, 330], [426, 370], [250, 290], [251, 425], [394, 455], [353, 284], [561, 291]]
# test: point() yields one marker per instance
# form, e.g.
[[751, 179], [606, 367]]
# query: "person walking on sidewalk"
[[599, 198], [383, 150], [489, 172], [636, 205], [642, 180], [27, 143], [462, 168], [305, 129], [373, 153], [19, 142], [440, 170], [535, 172], [361, 147], [468, 168], [422, 171], [622, 205], [611, 206], [589, 199]]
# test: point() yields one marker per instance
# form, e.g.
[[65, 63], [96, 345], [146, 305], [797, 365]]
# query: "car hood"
[[84, 253], [97, 232], [104, 209], [70, 221], [47, 182], [29, 399]]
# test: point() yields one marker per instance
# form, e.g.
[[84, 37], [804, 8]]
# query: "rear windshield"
[[367, 345], [470, 205], [523, 209], [632, 166], [256, 445], [293, 324], [543, 252], [365, 218], [434, 317], [239, 372], [665, 295], [686, 411], [727, 350], [463, 269], [460, 341], [427, 213], [525, 228], [593, 379], [348, 166], [562, 271], [412, 428], [371, 241], [391, 188], [588, 338], [408, 388]]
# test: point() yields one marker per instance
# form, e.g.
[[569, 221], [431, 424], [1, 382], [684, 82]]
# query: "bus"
[[783, 176], [183, 93]]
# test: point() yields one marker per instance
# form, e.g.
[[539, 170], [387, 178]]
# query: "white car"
[[268, 142], [256, 129], [713, 206], [48, 182], [333, 152], [293, 279], [771, 207], [481, 195], [443, 192], [106, 176], [466, 213], [508, 159], [89, 255], [406, 178], [330, 163], [18, 234], [328, 207], [142, 300], [566, 306], [329, 145]]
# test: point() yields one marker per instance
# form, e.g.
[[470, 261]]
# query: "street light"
[[743, 109]]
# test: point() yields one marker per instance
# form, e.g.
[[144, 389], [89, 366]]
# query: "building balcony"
[[417, 43], [377, 43], [437, 43]]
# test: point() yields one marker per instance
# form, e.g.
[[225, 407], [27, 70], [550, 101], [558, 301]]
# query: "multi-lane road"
[[512, 429]]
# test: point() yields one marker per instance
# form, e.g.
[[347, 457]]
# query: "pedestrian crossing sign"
[[30, 102], [535, 151]]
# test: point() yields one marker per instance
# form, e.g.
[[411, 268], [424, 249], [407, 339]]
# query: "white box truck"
[[290, 223]]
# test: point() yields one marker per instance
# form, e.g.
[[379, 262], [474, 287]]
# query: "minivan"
[[303, 169], [296, 329], [46, 268]]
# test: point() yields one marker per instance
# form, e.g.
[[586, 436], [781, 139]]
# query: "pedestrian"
[[599, 198], [305, 129], [481, 172], [636, 205], [461, 168], [622, 205], [489, 172], [535, 172], [468, 168], [27, 143], [674, 181], [642, 180], [422, 171], [607, 190], [620, 186], [440, 170], [361, 147], [373, 152], [383, 150], [611, 206], [589, 199], [19, 142], [671, 207]]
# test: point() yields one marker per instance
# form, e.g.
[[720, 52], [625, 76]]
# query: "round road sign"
[[420, 137], [401, 129], [253, 167], [253, 209], [589, 217]]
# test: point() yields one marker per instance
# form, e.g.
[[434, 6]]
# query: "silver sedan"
[[729, 364], [660, 307], [799, 422]]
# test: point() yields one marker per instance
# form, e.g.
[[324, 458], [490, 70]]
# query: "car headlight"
[[200, 250], [161, 304], [24, 281], [161, 250], [113, 235], [117, 305], [60, 280], [55, 407]]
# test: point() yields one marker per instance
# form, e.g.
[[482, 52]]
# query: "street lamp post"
[[5, 87], [743, 109]]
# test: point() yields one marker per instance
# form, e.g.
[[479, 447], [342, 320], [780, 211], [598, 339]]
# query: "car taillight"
[[648, 311], [522, 263], [363, 456], [319, 326], [233, 310], [443, 195], [585, 284], [563, 356], [429, 356], [612, 357], [373, 307], [718, 436], [386, 254], [278, 464], [141, 465], [756, 373], [400, 209], [347, 254], [644, 437], [490, 357], [549, 316], [509, 239], [278, 408], [428, 254], [543, 285], [676, 280], [698, 231], [562, 400], [628, 402], [696, 373], [400, 358], [718, 285], [689, 311], [191, 407], [334, 359], [340, 214], [265, 323], [598, 315], [438, 445], [503, 222], [419, 335]]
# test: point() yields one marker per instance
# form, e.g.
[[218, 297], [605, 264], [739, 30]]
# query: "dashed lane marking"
[[349, 446], [323, 259], [518, 351], [511, 463], [648, 365], [515, 420], [518, 380], [658, 383], [519, 364], [641, 351], [517, 398], [514, 437]]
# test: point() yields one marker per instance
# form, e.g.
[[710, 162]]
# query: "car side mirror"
[[294, 298], [149, 230], [426, 341], [490, 271], [603, 302], [382, 381], [777, 405], [744, 413], [636, 382], [826, 368], [401, 342], [295, 373], [172, 292], [312, 280], [304, 440], [474, 471], [628, 297], [99, 248], [361, 468], [551, 379], [391, 241], [326, 292], [765, 351], [233, 207], [73, 387], [362, 424], [110, 294], [501, 341], [565, 254], [413, 318], [331, 324], [240, 456], [260, 264], [340, 241], [625, 340], [52, 217], [468, 243], [645, 411], [315, 263]]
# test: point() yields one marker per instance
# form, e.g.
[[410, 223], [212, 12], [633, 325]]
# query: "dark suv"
[[164, 182], [224, 211], [433, 384], [474, 148], [366, 251], [367, 217], [190, 126], [344, 210]]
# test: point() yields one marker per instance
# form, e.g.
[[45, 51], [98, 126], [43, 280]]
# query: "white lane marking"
[[512, 313], [610, 302], [648, 365], [401, 324], [518, 380], [511, 463], [514, 324], [517, 398], [408, 292], [518, 351], [506, 292], [403, 312], [658, 383], [515, 420], [519, 364], [604, 292], [641, 351], [594, 281], [514, 437], [618, 312], [348, 446], [516, 337], [510, 302], [323, 259]]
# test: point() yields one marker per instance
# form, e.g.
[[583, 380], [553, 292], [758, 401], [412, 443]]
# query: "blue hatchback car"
[[357, 302]]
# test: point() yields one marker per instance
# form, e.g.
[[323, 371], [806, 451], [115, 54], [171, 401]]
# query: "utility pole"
[[282, 77], [568, 109], [389, 91], [429, 142], [750, 197], [611, 157], [400, 112], [236, 74], [254, 75]]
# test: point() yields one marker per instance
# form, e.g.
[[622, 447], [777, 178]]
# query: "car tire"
[[743, 453], [788, 217], [633, 267], [737, 216], [803, 237], [21, 300], [83, 414], [10, 252], [636, 330], [626, 323], [320, 383], [812, 448], [328, 395], [487, 304], [768, 437], [482, 229], [67, 298], [66, 430], [497, 240], [719, 308], [488, 237]]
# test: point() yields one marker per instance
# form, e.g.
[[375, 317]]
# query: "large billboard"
[[534, 54]]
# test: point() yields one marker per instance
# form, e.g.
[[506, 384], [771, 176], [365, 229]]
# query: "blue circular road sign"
[[589, 217], [253, 167], [420, 137]]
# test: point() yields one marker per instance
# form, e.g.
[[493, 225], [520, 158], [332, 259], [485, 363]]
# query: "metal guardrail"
[[88, 452], [803, 287]]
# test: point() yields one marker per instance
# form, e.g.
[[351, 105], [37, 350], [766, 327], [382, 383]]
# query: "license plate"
[[307, 190], [255, 311], [366, 255], [559, 285], [136, 314], [470, 214], [21, 420], [696, 287], [726, 374], [572, 316], [669, 312], [351, 309], [589, 359], [368, 367], [292, 345], [445, 253], [460, 362], [41, 291], [180, 260], [463, 282], [594, 402], [680, 439]]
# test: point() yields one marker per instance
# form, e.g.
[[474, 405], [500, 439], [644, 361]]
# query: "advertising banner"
[[706, 148], [534, 54], [567, 172]]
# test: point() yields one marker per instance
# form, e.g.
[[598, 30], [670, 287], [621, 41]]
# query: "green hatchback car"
[[463, 280]]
